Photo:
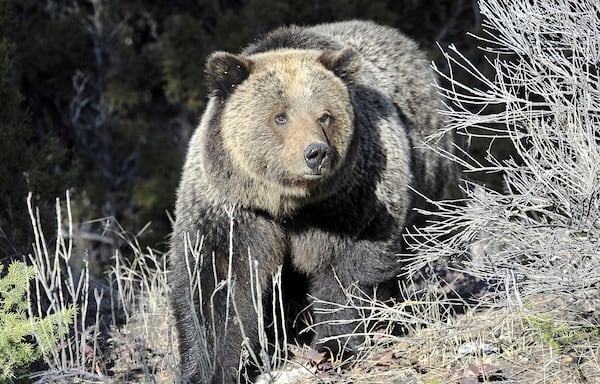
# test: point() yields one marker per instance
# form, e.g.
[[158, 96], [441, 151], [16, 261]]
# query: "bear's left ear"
[[344, 63], [225, 71]]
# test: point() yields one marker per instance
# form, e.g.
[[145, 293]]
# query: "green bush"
[[18, 329]]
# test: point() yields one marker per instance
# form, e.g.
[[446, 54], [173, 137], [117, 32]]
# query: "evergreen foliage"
[[17, 328]]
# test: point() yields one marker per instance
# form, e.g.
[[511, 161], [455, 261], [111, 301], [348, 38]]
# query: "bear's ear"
[[225, 71], [344, 63]]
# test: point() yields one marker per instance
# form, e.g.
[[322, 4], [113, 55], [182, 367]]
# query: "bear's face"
[[287, 118]]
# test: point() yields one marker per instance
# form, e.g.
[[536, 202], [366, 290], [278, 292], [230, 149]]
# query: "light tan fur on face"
[[293, 82]]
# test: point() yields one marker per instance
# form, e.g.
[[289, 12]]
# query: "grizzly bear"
[[307, 155]]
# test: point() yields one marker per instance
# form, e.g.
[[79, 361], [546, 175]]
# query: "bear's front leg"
[[213, 288], [354, 267]]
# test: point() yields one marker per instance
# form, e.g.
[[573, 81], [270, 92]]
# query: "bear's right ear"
[[225, 71]]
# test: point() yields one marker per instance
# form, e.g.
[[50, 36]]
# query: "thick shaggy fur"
[[362, 90]]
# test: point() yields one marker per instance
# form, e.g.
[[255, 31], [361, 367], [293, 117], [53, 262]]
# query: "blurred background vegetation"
[[100, 98]]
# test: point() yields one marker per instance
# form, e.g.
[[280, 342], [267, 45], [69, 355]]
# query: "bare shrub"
[[541, 236]]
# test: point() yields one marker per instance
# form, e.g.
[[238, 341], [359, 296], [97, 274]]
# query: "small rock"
[[478, 349], [286, 375]]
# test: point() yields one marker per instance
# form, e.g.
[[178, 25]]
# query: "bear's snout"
[[316, 156]]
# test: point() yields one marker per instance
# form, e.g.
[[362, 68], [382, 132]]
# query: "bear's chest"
[[319, 234]]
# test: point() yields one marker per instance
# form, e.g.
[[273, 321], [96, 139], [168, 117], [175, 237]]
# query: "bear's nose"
[[316, 156]]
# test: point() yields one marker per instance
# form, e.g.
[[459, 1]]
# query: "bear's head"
[[287, 118]]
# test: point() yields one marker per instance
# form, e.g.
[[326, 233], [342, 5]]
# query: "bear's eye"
[[325, 118], [280, 118]]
